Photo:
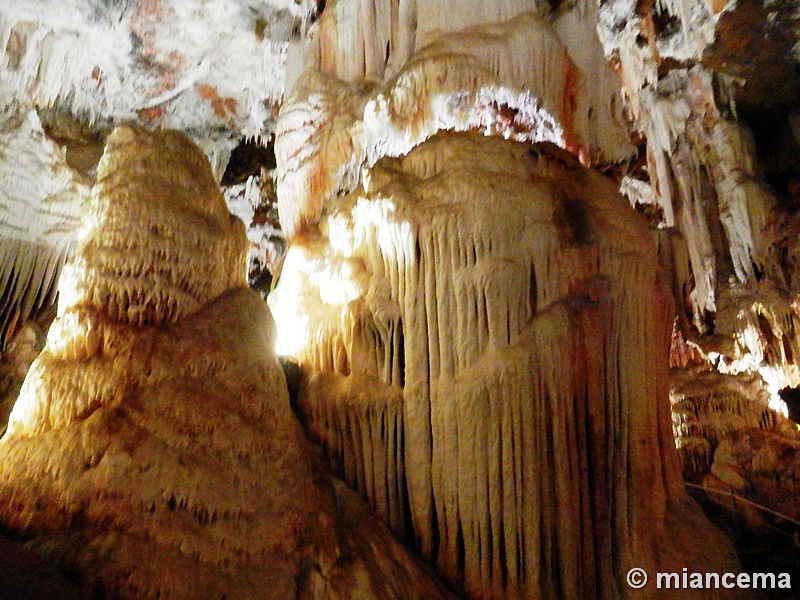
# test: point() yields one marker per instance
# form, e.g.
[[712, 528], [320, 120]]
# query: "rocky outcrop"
[[152, 449]]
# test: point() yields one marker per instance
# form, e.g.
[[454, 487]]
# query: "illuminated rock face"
[[151, 466], [513, 78], [153, 449], [157, 244], [509, 300], [707, 406]]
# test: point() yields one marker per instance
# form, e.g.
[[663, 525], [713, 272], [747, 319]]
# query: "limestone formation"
[[484, 284], [515, 79], [760, 466], [697, 76], [40, 206], [481, 327], [167, 63], [700, 159], [152, 449], [707, 405]]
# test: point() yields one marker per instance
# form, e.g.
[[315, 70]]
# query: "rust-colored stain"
[[98, 76], [717, 5], [230, 105], [150, 114], [207, 92], [569, 104], [223, 107], [260, 29]]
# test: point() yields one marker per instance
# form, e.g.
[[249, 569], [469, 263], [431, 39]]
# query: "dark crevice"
[[247, 160]]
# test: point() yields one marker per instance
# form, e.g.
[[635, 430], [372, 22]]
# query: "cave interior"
[[399, 298]]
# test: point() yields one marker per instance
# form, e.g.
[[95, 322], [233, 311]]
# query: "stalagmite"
[[152, 450], [486, 342], [488, 280]]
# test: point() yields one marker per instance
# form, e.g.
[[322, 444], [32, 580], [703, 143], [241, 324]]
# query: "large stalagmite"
[[488, 333], [152, 449]]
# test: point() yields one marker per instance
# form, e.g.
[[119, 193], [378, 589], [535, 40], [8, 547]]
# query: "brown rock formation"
[[755, 475], [707, 405], [152, 448], [488, 283]]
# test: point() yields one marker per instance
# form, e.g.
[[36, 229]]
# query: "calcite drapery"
[[153, 449], [509, 294], [515, 78], [40, 204]]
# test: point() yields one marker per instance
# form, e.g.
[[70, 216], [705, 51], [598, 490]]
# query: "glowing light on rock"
[[314, 286]]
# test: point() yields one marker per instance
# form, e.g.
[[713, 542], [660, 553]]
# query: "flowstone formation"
[[152, 449], [485, 341], [524, 77]]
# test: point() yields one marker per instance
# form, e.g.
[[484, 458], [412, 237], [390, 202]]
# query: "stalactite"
[[361, 432], [702, 170], [700, 159], [513, 79], [371, 39], [40, 205], [163, 64], [684, 353]]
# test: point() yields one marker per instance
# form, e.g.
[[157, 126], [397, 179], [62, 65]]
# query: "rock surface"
[[479, 330], [152, 449], [761, 466]]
